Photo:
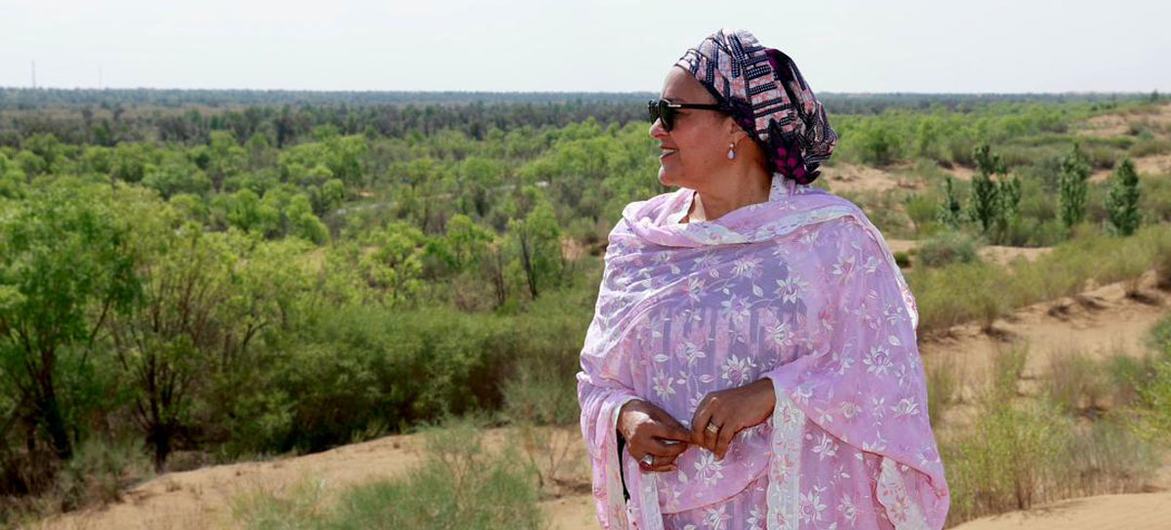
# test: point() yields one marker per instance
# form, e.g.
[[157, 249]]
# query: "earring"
[[731, 151]]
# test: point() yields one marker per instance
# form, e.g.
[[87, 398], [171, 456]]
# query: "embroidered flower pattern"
[[676, 322]]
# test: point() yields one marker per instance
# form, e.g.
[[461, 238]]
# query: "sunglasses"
[[666, 111]]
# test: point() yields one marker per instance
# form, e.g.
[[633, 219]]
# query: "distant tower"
[[34, 74]]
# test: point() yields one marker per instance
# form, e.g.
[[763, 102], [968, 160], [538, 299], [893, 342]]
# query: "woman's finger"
[[727, 432], [699, 422], [669, 429], [659, 447], [673, 430], [711, 431], [673, 449], [658, 464]]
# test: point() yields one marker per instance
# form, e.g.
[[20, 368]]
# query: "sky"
[[990, 46]]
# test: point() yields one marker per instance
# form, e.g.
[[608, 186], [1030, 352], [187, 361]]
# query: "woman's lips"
[[667, 153]]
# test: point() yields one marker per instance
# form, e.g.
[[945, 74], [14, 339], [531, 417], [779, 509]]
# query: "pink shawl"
[[800, 289]]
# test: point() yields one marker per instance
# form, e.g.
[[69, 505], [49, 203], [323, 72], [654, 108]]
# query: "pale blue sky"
[[596, 45]]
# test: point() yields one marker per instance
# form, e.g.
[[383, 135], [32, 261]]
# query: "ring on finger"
[[713, 428], [648, 460]]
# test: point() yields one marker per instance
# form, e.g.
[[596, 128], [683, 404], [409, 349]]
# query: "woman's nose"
[[657, 131]]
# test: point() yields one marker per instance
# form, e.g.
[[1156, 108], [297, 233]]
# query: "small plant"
[[1008, 365], [1073, 186], [950, 212], [1075, 383], [947, 248], [1122, 202], [459, 485], [943, 387]]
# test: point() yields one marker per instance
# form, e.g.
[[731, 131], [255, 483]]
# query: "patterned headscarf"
[[768, 98]]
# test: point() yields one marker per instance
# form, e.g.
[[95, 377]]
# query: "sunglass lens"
[[660, 110]]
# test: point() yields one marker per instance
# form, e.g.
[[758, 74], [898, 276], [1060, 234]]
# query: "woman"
[[752, 361]]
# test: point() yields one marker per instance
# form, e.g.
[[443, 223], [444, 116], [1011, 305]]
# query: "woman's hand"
[[649, 429], [731, 411]]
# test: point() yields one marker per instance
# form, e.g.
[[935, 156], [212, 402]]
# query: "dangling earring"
[[731, 151]]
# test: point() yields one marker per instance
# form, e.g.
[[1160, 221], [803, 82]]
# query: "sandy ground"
[[855, 178], [1139, 511], [1098, 323]]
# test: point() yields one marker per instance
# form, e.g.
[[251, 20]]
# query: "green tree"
[[129, 162], [250, 214], [466, 242], [176, 174], [164, 342], [1073, 185], [880, 145], [984, 201], [950, 212], [225, 158], [1008, 210], [302, 221], [1122, 202], [395, 266], [537, 242], [65, 265]]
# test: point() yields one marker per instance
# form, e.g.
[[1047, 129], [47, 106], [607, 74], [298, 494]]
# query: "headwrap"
[[768, 98]]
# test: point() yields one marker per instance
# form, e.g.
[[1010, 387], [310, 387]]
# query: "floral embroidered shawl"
[[800, 289]]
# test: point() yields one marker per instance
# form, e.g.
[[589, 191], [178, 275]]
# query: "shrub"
[[1075, 382], [459, 485], [902, 259], [947, 248], [943, 387], [958, 293], [1003, 461], [1122, 202], [1075, 170]]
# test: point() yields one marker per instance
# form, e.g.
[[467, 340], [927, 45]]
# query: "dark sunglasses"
[[666, 111]]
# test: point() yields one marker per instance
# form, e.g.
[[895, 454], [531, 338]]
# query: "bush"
[[1004, 460], [902, 259], [1150, 147], [947, 248], [959, 293], [1075, 383], [459, 485], [943, 387]]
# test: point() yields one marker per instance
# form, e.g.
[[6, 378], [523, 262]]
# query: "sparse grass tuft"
[[943, 387], [1075, 384], [459, 485]]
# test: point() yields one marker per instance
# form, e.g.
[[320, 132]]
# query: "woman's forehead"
[[680, 86]]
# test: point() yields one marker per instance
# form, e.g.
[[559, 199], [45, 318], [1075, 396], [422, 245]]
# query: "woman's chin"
[[665, 177]]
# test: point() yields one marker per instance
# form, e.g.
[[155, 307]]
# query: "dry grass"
[[1022, 451]]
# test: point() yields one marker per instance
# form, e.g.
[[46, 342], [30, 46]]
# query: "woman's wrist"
[[621, 414], [766, 391]]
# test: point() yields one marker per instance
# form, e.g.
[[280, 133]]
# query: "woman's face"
[[696, 147]]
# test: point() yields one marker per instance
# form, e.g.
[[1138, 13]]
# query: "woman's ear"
[[734, 131]]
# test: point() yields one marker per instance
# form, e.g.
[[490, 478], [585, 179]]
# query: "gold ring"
[[713, 428]]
